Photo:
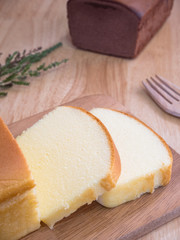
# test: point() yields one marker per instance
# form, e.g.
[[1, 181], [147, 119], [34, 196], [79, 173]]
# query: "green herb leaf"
[[3, 94], [17, 67], [21, 83]]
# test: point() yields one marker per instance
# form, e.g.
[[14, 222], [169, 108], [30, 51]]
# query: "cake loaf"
[[119, 27]]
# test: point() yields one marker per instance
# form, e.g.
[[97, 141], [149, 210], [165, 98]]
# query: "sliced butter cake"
[[72, 158], [146, 159]]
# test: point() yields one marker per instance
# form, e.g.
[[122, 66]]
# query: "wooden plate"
[[128, 221]]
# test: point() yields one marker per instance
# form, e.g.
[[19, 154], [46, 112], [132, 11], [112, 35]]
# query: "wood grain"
[[128, 221], [28, 24]]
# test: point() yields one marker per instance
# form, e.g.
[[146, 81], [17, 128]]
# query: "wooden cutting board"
[[128, 221]]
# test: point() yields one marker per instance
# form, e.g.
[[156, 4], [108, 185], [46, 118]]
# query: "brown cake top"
[[140, 7], [15, 177]]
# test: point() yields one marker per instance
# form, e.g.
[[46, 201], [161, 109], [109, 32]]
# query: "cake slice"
[[18, 204], [72, 158], [146, 159]]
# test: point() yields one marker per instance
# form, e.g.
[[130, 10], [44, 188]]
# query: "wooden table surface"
[[29, 24]]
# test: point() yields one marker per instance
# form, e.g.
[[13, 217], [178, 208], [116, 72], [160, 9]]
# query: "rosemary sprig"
[[17, 67]]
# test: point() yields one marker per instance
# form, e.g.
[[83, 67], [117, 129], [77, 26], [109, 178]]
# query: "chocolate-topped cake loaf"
[[116, 27]]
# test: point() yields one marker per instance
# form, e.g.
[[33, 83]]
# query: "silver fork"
[[164, 93]]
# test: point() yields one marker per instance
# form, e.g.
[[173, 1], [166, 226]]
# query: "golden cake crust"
[[18, 203]]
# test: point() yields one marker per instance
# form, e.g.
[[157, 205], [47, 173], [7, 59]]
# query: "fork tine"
[[175, 89], [166, 90], [159, 90], [156, 95]]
